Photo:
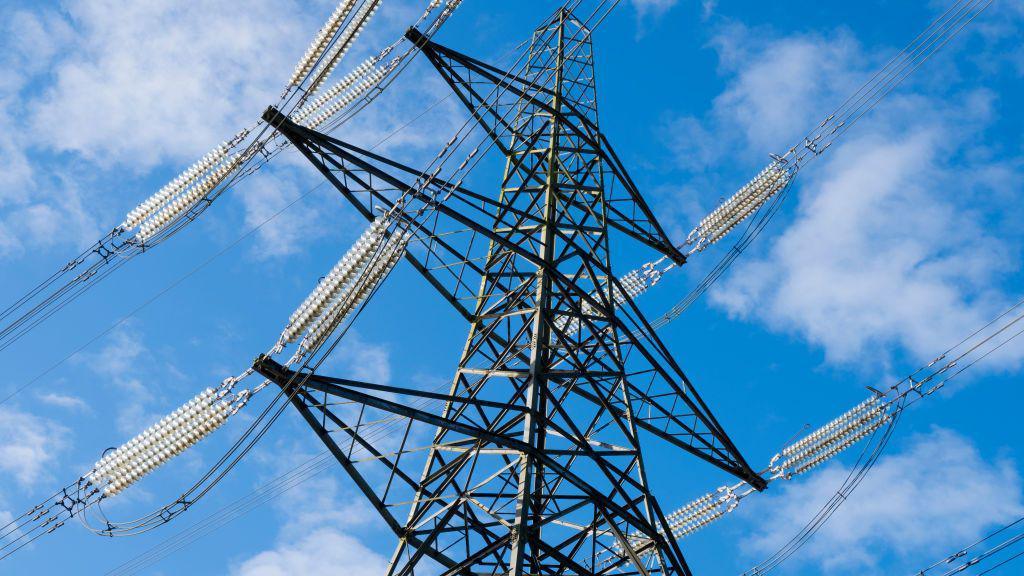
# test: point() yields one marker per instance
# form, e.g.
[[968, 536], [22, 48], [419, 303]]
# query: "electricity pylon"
[[532, 462]]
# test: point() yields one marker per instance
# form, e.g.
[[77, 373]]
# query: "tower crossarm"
[[490, 93], [369, 181], [532, 462], [354, 445], [303, 387]]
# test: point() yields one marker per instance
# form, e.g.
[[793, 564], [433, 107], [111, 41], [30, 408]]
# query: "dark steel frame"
[[534, 465]]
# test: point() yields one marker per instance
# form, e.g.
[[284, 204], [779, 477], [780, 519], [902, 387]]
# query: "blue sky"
[[895, 245]]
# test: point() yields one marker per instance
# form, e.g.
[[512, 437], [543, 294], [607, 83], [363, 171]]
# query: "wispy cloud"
[[645, 8], [65, 401], [894, 246], [126, 363], [107, 91], [878, 255], [96, 95], [364, 360], [322, 529], [776, 89], [323, 551], [139, 83], [29, 446], [285, 215]]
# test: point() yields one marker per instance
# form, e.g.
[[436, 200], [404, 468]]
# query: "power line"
[[185, 198], [181, 504], [937, 35], [967, 560]]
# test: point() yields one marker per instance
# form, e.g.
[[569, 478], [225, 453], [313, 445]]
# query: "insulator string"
[[763, 199], [421, 212], [189, 206], [875, 419]]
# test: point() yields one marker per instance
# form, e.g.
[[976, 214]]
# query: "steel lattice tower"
[[534, 463]]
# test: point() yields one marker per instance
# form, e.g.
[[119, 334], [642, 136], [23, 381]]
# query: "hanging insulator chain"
[[348, 284], [449, 8], [831, 439], [337, 88], [170, 436], [190, 197], [320, 42], [843, 419], [341, 276], [634, 283], [637, 282], [187, 178], [354, 294], [333, 56], [799, 457], [368, 82], [742, 204], [694, 515]]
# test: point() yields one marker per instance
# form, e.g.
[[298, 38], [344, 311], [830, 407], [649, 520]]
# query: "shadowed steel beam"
[[532, 461]]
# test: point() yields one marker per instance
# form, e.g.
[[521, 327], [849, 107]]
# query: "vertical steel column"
[[532, 462]]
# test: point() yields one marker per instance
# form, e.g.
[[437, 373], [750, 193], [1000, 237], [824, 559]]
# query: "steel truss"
[[532, 462]]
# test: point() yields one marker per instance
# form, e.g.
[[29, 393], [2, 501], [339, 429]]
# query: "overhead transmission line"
[[181, 429], [315, 464], [762, 198], [974, 348], [115, 483], [992, 552], [898, 68], [922, 48], [772, 183], [335, 302], [983, 342], [208, 411], [873, 419], [248, 233], [184, 427]]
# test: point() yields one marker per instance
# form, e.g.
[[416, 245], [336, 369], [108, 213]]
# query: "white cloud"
[[40, 208], [57, 214], [937, 495], [126, 363], [359, 359], [100, 92], [15, 178], [878, 256], [323, 551], [320, 525], [897, 244], [98, 95], [653, 7], [29, 446], [63, 401], [653, 10], [290, 231], [777, 89], [10, 534], [118, 360], [142, 82], [9, 243], [781, 89]]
